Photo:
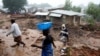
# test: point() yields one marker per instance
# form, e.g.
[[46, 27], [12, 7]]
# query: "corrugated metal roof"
[[42, 13], [55, 15], [66, 12]]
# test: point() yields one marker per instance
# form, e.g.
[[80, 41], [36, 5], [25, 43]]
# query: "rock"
[[27, 38], [1, 41]]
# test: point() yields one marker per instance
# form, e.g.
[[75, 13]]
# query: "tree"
[[98, 18], [68, 5], [77, 9], [93, 10], [14, 5]]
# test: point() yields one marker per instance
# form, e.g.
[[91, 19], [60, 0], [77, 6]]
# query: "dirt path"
[[30, 35]]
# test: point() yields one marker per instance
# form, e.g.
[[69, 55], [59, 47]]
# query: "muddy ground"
[[82, 42]]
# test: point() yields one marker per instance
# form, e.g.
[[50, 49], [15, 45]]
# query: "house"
[[67, 17], [56, 18], [3, 10], [42, 15], [59, 17]]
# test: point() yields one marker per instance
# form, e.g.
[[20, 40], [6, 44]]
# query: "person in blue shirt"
[[47, 49]]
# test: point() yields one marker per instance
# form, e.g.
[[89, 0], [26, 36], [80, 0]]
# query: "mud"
[[79, 47], [82, 42]]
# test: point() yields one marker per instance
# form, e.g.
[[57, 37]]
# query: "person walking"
[[16, 32], [64, 35]]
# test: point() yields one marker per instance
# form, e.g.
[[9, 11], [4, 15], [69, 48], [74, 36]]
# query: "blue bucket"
[[44, 25]]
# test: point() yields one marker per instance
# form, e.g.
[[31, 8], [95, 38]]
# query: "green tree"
[[76, 8], [14, 5], [98, 18], [68, 5], [93, 10]]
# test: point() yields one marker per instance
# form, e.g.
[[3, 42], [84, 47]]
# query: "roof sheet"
[[66, 12], [42, 13], [55, 15]]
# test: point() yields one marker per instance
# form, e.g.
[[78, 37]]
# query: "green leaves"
[[14, 5], [77, 9], [93, 10], [68, 6]]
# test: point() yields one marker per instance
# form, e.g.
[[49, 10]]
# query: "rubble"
[[82, 42]]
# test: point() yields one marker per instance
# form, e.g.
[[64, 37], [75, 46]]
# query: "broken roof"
[[69, 13]]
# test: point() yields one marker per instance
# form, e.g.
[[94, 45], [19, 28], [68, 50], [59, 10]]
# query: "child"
[[46, 47]]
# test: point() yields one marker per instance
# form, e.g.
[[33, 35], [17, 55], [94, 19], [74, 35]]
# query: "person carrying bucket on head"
[[47, 49]]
